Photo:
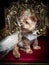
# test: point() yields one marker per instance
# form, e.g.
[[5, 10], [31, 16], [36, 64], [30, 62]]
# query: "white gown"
[[9, 42]]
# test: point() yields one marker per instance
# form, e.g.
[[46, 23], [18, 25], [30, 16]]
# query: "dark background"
[[6, 3]]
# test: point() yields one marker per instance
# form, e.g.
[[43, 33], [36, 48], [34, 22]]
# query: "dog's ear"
[[33, 18]]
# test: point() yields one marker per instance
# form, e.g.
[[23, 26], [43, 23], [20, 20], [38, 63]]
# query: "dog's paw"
[[16, 54], [36, 47], [29, 51]]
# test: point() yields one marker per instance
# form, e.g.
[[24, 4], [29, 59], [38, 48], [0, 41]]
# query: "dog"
[[28, 33]]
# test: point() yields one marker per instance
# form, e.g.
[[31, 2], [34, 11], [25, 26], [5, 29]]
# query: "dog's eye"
[[26, 22]]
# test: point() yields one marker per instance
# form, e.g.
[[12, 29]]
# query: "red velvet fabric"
[[37, 55]]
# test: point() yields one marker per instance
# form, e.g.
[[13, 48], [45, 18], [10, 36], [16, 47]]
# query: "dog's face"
[[29, 23], [28, 20]]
